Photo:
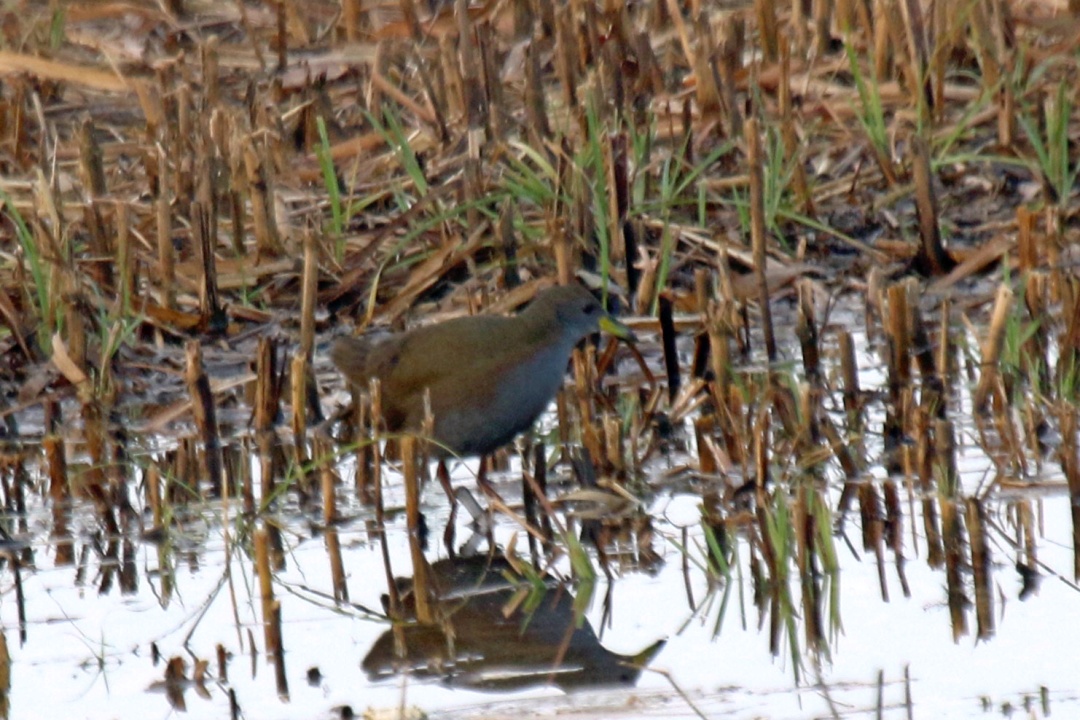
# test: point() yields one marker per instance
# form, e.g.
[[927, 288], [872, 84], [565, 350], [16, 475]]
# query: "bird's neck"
[[539, 326]]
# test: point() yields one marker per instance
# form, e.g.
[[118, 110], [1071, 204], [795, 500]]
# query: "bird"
[[488, 377]]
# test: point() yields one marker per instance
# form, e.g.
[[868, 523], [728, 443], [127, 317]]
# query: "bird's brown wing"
[[427, 354], [440, 358]]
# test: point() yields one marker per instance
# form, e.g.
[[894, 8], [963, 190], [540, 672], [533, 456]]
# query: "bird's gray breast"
[[523, 392]]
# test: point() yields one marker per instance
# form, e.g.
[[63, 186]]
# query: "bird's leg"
[[448, 534], [495, 501], [486, 487], [481, 478], [444, 479]]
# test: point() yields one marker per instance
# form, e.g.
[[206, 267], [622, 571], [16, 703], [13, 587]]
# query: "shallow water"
[[92, 625]]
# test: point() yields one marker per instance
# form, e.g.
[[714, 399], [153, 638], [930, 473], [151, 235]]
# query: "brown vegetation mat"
[[162, 165]]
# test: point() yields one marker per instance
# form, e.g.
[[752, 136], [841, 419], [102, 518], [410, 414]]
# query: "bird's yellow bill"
[[613, 327]]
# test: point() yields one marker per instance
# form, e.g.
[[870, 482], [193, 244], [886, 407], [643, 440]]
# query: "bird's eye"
[[591, 309]]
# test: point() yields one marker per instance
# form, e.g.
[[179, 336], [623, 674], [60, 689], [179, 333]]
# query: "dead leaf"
[[65, 364], [12, 63]]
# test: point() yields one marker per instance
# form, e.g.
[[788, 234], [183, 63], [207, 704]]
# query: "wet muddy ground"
[[838, 476]]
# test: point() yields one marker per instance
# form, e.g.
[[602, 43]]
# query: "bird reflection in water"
[[479, 645]]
